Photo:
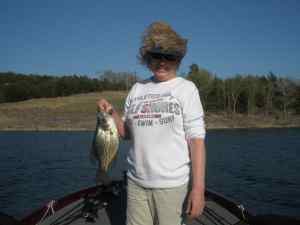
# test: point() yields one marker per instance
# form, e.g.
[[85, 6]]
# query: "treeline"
[[247, 94], [250, 94], [18, 87]]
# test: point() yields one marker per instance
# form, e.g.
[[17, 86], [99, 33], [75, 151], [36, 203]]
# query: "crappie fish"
[[105, 145]]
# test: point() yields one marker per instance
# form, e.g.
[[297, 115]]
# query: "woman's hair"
[[159, 37]]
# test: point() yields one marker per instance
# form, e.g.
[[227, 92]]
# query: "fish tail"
[[102, 178]]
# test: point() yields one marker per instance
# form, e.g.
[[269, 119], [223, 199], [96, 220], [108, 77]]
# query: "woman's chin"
[[162, 75]]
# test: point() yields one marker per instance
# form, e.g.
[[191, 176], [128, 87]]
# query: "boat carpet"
[[111, 210]]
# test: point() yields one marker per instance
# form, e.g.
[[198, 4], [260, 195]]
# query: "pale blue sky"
[[63, 37]]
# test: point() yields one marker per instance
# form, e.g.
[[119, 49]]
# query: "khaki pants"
[[159, 206]]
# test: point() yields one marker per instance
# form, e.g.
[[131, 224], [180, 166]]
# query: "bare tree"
[[234, 88], [286, 90]]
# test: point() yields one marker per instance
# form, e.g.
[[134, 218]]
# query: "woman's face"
[[163, 68]]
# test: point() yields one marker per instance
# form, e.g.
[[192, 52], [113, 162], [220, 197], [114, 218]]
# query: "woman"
[[164, 118]]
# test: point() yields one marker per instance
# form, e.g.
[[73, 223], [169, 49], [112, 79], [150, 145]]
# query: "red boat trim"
[[37, 215]]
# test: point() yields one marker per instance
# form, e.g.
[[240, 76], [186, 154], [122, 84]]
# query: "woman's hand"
[[195, 203], [104, 105], [196, 198]]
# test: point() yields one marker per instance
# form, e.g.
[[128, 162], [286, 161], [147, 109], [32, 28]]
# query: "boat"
[[106, 205]]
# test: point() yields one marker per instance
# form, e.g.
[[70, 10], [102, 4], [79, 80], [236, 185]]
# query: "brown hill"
[[77, 112]]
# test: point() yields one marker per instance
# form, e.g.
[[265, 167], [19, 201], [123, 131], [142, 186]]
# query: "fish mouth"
[[102, 121], [103, 124]]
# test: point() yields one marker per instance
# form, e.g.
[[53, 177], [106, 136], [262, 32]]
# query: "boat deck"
[[109, 208]]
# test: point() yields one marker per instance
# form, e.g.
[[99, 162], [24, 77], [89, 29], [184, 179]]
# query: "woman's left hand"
[[195, 203]]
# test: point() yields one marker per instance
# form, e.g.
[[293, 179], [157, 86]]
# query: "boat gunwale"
[[34, 217], [60, 203]]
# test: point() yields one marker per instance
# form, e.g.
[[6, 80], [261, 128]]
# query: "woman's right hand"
[[104, 105]]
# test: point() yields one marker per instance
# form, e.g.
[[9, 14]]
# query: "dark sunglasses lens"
[[163, 57], [156, 56], [171, 57]]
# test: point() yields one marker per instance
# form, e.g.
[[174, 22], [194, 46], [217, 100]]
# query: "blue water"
[[258, 168]]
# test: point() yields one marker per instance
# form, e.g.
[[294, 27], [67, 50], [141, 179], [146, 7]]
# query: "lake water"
[[259, 168]]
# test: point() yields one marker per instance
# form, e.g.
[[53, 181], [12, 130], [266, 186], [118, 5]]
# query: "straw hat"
[[159, 37]]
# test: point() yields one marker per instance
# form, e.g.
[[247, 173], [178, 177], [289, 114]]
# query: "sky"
[[65, 37]]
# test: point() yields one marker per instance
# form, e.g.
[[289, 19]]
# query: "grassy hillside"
[[77, 112]]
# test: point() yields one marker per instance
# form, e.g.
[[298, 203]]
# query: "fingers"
[[104, 105], [195, 211], [195, 206], [189, 206]]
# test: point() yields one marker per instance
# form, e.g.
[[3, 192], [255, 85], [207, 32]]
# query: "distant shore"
[[77, 113]]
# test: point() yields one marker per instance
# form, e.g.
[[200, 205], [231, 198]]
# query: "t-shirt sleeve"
[[193, 115]]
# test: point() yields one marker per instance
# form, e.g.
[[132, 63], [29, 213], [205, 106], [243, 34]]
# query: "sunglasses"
[[160, 56]]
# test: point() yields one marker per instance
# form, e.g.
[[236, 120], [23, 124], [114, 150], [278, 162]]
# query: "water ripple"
[[254, 167]]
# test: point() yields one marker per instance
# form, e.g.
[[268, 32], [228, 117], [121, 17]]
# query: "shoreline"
[[87, 130], [70, 129], [78, 113]]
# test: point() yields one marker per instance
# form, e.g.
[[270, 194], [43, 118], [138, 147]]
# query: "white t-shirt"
[[162, 117]]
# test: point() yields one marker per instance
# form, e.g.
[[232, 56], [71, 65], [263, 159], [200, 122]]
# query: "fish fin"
[[116, 156], [113, 162], [93, 152], [102, 178], [92, 156]]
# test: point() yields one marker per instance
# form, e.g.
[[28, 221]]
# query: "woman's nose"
[[162, 62]]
